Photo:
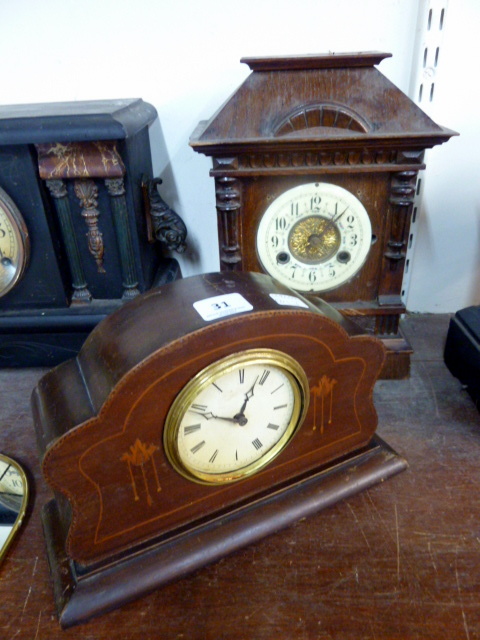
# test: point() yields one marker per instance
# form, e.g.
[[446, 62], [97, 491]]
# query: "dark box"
[[462, 350]]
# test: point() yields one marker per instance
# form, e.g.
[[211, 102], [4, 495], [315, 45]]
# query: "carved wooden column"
[[228, 192], [402, 194]]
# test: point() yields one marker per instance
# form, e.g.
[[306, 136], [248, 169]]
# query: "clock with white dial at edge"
[[14, 244], [10, 479], [337, 208], [236, 416]]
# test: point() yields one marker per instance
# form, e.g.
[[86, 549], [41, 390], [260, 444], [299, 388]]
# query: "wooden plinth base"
[[397, 363], [80, 595]]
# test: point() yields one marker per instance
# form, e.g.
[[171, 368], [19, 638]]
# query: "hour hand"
[[209, 415]]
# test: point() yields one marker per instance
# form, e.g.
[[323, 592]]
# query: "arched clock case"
[[169, 445]]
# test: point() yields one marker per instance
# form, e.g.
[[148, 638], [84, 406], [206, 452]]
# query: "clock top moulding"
[[74, 121], [262, 111], [328, 119]]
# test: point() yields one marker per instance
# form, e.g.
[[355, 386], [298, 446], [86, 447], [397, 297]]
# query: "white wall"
[[183, 56], [446, 261]]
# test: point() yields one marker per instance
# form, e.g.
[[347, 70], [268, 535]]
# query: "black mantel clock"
[[80, 216], [315, 160]]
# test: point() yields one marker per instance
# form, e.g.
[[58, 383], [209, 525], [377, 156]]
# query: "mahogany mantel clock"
[[245, 410], [315, 160]]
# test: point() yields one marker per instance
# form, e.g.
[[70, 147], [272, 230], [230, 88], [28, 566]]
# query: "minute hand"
[[337, 216], [331, 222], [248, 395]]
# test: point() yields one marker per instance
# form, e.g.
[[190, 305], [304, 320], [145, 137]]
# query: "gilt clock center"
[[314, 240]]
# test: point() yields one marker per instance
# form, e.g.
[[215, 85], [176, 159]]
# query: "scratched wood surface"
[[400, 561]]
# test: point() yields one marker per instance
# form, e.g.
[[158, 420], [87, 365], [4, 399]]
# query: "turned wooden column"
[[228, 192]]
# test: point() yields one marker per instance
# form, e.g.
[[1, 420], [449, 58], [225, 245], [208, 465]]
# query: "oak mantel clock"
[[315, 160], [76, 239], [244, 410]]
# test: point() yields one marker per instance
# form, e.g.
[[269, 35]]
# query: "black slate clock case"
[[41, 323]]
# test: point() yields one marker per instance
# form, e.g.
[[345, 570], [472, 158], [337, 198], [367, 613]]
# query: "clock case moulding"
[[112, 535], [77, 172], [324, 118]]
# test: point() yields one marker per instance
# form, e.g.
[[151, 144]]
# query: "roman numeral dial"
[[215, 437]]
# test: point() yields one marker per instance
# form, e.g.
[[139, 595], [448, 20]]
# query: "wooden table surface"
[[399, 561]]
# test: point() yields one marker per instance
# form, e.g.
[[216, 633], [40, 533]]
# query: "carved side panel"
[[163, 223], [228, 192], [87, 192]]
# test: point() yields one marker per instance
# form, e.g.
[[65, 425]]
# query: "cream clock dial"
[[314, 237], [236, 415], [14, 244]]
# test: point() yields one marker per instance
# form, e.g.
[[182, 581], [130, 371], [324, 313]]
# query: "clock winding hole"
[[283, 257], [344, 257]]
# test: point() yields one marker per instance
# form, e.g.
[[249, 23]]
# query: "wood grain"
[[398, 562], [132, 383]]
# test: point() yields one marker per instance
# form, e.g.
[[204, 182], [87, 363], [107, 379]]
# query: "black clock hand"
[[337, 216], [248, 395], [238, 418], [209, 415], [330, 224]]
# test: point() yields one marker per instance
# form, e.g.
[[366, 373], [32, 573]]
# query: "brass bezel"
[[10, 210], [290, 367], [21, 514]]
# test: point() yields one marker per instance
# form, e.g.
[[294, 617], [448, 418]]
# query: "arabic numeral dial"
[[314, 237]]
